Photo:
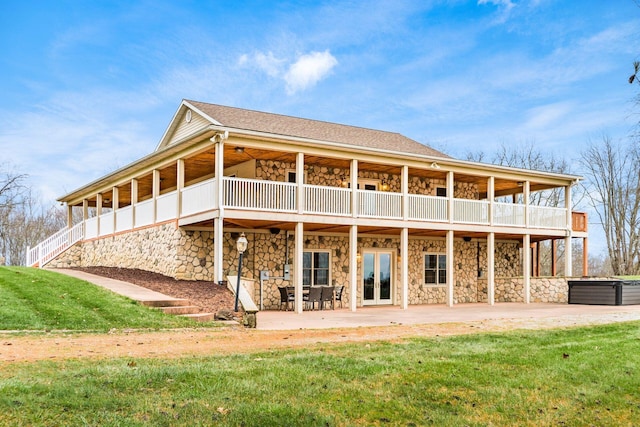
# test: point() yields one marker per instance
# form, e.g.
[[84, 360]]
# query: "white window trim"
[[424, 279], [293, 171], [314, 251], [367, 181]]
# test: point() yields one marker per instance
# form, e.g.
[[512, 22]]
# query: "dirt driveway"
[[235, 339]]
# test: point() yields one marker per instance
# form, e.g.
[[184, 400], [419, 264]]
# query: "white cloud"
[[308, 70]]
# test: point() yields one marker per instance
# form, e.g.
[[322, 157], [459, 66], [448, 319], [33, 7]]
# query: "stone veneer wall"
[[164, 249], [188, 255]]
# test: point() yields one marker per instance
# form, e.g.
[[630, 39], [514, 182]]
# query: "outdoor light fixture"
[[385, 185], [239, 149], [434, 165], [345, 183], [241, 245]]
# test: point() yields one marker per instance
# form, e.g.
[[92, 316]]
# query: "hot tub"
[[604, 292]]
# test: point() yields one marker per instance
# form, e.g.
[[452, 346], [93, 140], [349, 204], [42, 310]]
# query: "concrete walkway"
[[135, 292]]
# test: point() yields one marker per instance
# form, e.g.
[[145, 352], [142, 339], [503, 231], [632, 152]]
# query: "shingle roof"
[[313, 129]]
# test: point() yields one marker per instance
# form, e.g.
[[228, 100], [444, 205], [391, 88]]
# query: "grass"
[[41, 300], [571, 377]]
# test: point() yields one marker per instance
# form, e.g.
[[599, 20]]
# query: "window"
[[441, 191], [291, 176], [435, 269], [315, 268]]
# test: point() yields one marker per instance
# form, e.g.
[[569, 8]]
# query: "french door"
[[377, 277]]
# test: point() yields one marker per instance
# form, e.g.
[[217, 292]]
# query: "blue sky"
[[88, 87]]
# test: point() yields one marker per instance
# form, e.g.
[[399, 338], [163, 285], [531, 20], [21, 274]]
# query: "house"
[[394, 221]]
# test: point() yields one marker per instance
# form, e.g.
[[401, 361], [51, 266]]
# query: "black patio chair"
[[338, 297], [314, 296], [327, 296], [286, 297]]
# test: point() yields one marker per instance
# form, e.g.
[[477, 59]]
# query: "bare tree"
[[612, 170], [23, 219]]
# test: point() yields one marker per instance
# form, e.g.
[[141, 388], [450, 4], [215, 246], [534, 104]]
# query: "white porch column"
[[353, 179], [85, 209], [450, 266], [179, 186], [219, 173], [404, 267], [450, 178], [353, 267], [526, 267], [298, 262], [491, 266], [156, 193], [115, 204], [69, 216], [134, 201], [525, 195], [568, 250], [218, 237], [491, 195], [98, 211], [405, 192], [300, 182]]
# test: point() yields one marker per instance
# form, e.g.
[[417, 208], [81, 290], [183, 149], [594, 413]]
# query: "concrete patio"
[[517, 315]]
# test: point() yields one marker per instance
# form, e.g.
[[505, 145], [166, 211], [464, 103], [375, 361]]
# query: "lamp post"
[[241, 245]]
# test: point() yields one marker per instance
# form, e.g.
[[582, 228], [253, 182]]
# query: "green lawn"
[[571, 377], [34, 299]]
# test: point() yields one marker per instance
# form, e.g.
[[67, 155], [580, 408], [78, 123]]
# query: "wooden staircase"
[[179, 307]]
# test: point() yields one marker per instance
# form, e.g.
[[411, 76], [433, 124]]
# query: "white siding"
[[185, 129]]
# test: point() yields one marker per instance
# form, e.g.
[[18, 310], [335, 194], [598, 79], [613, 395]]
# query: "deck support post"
[[491, 266], [300, 183], [298, 256], [526, 267], [568, 253], [353, 267], [450, 264], [218, 233], [585, 256], [404, 267]]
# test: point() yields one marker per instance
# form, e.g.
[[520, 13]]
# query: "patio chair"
[[286, 297], [314, 296], [327, 296], [338, 297]]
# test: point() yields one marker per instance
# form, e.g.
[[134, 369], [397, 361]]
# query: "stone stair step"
[[183, 309], [173, 302], [200, 317]]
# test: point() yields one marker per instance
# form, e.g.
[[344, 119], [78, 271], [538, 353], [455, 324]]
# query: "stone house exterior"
[[394, 221]]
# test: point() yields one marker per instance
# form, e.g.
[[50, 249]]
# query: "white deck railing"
[[167, 206], [54, 245], [428, 208], [144, 213], [106, 224], [508, 214], [253, 194], [91, 228], [269, 196], [124, 218], [471, 211], [199, 197], [379, 204], [547, 217], [327, 200]]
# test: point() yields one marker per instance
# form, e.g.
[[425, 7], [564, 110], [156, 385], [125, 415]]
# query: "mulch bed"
[[208, 296]]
